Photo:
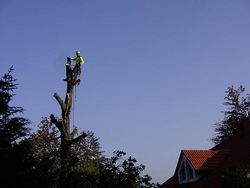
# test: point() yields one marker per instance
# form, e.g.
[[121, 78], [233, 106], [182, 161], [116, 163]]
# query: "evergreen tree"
[[13, 131]]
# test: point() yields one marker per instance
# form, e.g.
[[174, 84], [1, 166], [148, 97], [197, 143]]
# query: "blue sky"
[[155, 72]]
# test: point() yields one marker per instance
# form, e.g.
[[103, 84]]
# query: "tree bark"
[[63, 124]]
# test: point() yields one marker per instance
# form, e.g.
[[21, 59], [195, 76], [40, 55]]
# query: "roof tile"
[[204, 159]]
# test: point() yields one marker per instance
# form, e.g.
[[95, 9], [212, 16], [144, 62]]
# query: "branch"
[[77, 139], [57, 123], [60, 101]]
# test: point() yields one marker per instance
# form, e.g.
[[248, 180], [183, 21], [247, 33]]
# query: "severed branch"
[[77, 139], [57, 123]]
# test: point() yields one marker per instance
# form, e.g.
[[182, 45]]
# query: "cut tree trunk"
[[63, 124]]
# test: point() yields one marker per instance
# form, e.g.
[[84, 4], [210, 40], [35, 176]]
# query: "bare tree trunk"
[[63, 123]]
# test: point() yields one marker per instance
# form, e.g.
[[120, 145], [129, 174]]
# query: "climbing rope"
[[74, 106]]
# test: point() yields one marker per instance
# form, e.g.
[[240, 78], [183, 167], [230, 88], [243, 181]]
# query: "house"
[[205, 168]]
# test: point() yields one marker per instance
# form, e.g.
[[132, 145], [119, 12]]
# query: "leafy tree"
[[13, 131], [45, 159], [119, 173], [44, 162], [234, 116], [36, 161], [87, 159], [89, 167], [237, 177]]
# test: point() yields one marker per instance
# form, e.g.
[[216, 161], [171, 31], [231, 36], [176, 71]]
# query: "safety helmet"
[[78, 52]]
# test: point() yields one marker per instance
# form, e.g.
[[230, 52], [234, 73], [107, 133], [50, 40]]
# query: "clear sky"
[[155, 72]]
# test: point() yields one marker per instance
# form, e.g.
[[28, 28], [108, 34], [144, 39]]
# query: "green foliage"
[[12, 127], [44, 164], [234, 116], [13, 130], [89, 167], [119, 173], [238, 177], [34, 160]]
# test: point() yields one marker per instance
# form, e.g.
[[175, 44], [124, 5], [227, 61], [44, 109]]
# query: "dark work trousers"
[[77, 70]]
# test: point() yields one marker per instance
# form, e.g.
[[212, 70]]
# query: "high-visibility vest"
[[79, 60]]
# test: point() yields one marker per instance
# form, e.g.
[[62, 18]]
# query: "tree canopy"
[[13, 131], [89, 167], [33, 160], [238, 108]]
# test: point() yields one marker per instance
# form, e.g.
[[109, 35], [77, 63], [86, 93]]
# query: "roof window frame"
[[187, 167]]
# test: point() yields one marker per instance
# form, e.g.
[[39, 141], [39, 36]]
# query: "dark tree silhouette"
[[120, 173], [235, 116], [89, 167], [13, 130], [53, 156], [44, 166], [237, 177]]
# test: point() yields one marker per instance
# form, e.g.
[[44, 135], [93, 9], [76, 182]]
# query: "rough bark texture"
[[63, 123]]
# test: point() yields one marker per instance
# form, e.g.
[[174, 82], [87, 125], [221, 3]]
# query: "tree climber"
[[79, 61], [77, 68]]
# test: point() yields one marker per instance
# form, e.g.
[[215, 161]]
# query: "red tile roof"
[[204, 159], [231, 153]]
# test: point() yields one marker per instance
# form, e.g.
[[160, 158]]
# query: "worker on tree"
[[79, 61]]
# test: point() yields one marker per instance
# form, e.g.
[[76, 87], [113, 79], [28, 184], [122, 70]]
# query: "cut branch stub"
[[58, 124], [77, 139], [68, 70], [60, 101]]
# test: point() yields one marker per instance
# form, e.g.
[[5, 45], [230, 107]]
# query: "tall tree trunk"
[[63, 124]]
